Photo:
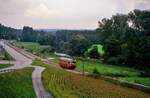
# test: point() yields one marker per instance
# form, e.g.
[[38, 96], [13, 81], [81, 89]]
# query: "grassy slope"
[[8, 57], [63, 84], [4, 65], [17, 84], [28, 45], [32, 47], [140, 80], [107, 69]]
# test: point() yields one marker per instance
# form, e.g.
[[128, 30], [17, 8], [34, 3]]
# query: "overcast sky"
[[64, 14]]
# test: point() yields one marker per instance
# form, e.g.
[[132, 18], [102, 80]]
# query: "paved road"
[[24, 59], [21, 60], [36, 78]]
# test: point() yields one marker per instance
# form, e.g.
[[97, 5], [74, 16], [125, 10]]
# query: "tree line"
[[72, 42], [126, 38]]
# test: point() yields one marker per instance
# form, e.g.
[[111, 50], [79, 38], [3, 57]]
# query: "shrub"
[[95, 71]]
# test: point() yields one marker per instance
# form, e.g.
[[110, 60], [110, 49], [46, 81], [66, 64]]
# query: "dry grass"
[[63, 84]]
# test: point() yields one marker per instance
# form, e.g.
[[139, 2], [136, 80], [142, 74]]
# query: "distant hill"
[[48, 30]]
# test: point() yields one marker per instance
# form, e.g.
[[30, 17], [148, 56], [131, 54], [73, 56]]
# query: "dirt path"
[[24, 60]]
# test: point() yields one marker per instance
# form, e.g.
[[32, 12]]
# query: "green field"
[[17, 84], [5, 65], [63, 84], [35, 48], [140, 80], [106, 69], [32, 47]]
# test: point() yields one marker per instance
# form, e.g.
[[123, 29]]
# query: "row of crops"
[[63, 84]]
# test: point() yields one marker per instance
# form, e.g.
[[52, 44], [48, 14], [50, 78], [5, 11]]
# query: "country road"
[[20, 60], [23, 60]]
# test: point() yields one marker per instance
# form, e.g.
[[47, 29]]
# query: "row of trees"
[[75, 42], [126, 38], [72, 42], [9, 33]]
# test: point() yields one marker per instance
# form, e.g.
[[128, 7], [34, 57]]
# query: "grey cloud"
[[63, 13]]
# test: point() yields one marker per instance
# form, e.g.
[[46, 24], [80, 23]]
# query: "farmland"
[[63, 84], [4, 65], [17, 84], [34, 48], [91, 66]]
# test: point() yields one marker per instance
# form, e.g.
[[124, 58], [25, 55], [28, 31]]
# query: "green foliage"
[[4, 65], [124, 43], [79, 44], [75, 42], [8, 57], [28, 34], [9, 33], [140, 80], [95, 71], [93, 53], [17, 84], [35, 48]]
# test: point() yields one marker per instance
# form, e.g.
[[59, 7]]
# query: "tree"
[[124, 43], [93, 53], [28, 34], [79, 44]]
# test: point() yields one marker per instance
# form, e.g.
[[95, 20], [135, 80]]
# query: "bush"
[[113, 60], [47, 49], [95, 71], [93, 53]]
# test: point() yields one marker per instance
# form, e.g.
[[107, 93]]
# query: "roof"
[[66, 59], [61, 54]]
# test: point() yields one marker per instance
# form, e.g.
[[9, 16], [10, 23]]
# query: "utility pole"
[[83, 68]]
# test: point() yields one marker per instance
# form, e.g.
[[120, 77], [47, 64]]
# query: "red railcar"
[[67, 63]]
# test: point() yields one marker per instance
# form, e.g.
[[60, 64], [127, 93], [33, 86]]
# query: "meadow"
[[34, 48], [106, 69], [17, 84], [63, 84]]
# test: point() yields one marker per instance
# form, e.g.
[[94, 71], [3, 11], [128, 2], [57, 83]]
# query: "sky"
[[64, 14]]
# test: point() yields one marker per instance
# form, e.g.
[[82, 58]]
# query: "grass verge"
[[17, 84], [7, 56], [140, 80], [5, 65]]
